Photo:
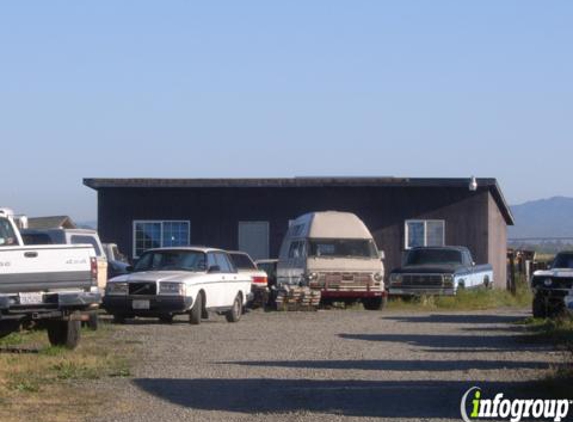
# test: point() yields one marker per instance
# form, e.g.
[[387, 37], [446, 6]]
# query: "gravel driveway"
[[328, 365]]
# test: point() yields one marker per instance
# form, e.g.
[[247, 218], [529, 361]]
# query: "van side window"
[[296, 249]]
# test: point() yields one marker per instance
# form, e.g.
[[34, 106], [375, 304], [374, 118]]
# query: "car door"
[[214, 286], [229, 276]]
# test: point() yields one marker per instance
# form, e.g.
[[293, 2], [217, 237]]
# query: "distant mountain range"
[[551, 217]]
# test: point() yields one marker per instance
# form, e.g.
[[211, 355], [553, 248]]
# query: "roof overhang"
[[295, 182]]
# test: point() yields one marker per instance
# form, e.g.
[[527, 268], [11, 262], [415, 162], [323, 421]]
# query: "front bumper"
[[352, 294], [421, 291], [158, 305]]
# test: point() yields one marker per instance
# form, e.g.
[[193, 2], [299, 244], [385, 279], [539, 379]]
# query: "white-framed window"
[[149, 234], [425, 233]]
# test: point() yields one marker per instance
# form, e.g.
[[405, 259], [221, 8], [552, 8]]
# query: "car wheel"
[[197, 310], [166, 318], [539, 307], [234, 314], [375, 303], [64, 333]]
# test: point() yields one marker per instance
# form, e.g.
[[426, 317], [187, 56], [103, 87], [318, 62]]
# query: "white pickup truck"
[[54, 286]]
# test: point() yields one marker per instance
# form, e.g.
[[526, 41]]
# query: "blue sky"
[[265, 89]]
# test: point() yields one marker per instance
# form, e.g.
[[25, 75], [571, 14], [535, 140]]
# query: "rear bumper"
[[421, 291], [54, 304], [351, 294], [158, 305]]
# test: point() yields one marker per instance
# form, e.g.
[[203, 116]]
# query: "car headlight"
[[116, 289], [547, 282], [395, 278], [171, 288], [448, 280], [378, 276]]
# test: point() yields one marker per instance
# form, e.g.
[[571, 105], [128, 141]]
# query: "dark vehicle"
[[439, 270], [551, 286]]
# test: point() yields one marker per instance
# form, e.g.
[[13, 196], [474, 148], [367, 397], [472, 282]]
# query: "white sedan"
[[184, 280]]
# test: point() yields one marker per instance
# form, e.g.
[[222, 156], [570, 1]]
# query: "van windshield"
[[355, 248]]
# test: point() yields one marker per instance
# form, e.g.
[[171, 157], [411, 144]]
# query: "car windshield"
[[172, 261], [563, 260], [355, 248], [242, 261], [433, 256]]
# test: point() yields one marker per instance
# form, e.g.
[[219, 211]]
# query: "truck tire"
[[8, 327], [197, 310], [234, 314], [539, 307], [93, 322], [375, 303], [64, 333]]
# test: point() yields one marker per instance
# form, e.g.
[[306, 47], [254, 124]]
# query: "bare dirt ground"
[[325, 366]]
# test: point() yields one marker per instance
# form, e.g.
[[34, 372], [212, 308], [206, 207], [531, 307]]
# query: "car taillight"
[[260, 280], [93, 262]]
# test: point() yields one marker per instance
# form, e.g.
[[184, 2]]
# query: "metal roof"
[[297, 182]]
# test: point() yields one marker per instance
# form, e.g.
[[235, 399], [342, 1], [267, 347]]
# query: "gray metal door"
[[254, 238]]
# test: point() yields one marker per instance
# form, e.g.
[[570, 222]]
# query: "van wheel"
[[197, 310], [64, 333], [234, 314], [375, 303]]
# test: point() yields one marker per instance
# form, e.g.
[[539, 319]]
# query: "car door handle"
[[30, 254]]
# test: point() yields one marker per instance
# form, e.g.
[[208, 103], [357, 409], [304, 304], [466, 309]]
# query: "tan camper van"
[[335, 253]]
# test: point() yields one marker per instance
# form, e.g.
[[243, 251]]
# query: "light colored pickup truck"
[[176, 281], [439, 270], [52, 285]]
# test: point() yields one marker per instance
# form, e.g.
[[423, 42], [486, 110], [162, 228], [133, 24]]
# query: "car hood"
[[554, 272], [156, 276], [427, 269]]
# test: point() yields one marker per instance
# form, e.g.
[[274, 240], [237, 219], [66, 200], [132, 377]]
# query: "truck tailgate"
[[45, 268]]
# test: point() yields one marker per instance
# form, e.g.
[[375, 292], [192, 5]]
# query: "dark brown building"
[[254, 214]]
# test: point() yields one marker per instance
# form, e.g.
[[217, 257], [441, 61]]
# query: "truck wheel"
[[538, 307], [234, 314], [64, 333], [375, 303], [197, 310], [93, 321]]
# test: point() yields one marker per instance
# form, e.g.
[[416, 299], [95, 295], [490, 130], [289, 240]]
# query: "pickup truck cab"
[[550, 287], [176, 281], [440, 270], [52, 285]]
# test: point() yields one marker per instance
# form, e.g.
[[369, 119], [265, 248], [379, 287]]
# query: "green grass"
[[468, 300]]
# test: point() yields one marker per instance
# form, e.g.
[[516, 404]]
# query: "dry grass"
[[39, 382]]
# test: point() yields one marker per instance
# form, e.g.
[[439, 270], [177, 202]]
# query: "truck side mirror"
[[382, 256]]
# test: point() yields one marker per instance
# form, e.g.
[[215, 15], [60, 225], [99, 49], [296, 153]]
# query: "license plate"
[[31, 298], [140, 304]]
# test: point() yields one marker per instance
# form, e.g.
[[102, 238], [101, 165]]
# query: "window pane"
[[175, 234], [415, 234], [435, 233], [147, 236]]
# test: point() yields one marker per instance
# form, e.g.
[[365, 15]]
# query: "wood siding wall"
[[215, 213]]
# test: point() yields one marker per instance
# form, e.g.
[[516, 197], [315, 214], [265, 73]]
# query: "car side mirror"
[[129, 268], [382, 256], [214, 269]]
